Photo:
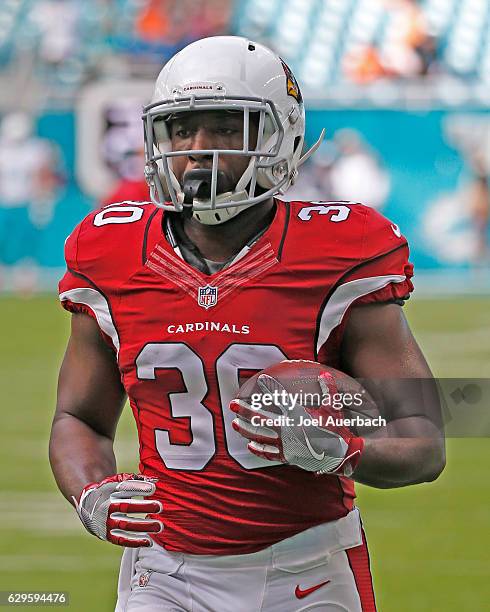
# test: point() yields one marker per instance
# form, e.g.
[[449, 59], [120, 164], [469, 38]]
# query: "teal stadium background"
[[424, 165]]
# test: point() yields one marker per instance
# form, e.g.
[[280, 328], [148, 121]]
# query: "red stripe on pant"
[[358, 558]]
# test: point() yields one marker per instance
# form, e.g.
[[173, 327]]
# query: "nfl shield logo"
[[207, 296], [144, 579]]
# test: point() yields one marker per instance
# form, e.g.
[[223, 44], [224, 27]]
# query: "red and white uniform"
[[184, 341]]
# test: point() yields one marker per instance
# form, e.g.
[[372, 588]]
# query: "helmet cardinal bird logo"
[[291, 83]]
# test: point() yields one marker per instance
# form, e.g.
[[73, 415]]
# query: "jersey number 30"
[[189, 403]]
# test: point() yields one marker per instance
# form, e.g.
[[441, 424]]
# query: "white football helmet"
[[227, 73]]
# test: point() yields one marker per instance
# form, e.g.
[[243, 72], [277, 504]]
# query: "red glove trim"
[[352, 456]]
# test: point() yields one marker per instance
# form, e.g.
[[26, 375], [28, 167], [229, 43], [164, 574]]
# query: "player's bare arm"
[[90, 401], [407, 449], [378, 344]]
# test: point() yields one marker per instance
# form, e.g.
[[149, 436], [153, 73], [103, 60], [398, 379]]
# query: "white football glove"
[[103, 508], [323, 448]]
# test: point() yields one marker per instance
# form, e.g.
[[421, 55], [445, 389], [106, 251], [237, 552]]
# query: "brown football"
[[300, 379]]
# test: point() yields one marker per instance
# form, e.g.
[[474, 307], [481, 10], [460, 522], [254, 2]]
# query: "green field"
[[429, 544]]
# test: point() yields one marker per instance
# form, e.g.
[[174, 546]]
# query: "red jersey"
[[184, 341]]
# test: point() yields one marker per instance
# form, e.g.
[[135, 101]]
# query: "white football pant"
[[325, 568]]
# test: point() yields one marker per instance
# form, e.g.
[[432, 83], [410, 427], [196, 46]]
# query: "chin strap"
[[197, 187], [216, 216]]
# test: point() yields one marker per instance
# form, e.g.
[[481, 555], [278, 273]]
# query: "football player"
[[177, 301]]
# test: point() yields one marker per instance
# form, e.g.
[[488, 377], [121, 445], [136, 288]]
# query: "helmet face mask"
[[226, 74], [263, 156]]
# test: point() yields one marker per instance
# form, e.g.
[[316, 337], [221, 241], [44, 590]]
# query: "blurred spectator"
[[313, 182], [124, 153], [408, 50], [456, 223], [427, 51], [408, 21], [57, 23], [123, 139], [357, 174], [174, 23], [479, 204], [212, 18], [154, 22], [364, 65], [345, 168], [29, 180]]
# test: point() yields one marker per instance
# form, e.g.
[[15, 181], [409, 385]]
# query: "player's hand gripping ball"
[[295, 412], [104, 508]]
